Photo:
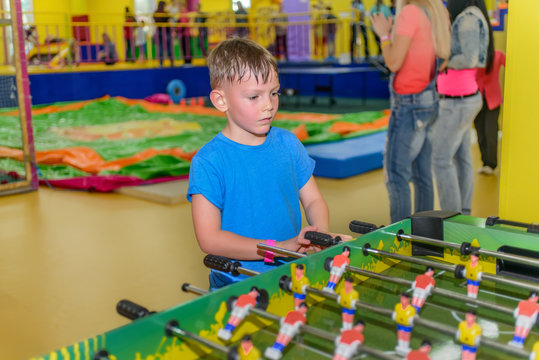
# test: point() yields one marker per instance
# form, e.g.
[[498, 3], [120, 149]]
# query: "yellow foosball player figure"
[[348, 298], [299, 283], [338, 266], [469, 335], [526, 316], [534, 355], [246, 350], [422, 353], [240, 309], [472, 272], [403, 315], [290, 326], [422, 287], [347, 344]]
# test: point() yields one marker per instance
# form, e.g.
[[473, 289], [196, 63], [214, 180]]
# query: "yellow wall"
[[49, 13], [215, 6], [519, 190]]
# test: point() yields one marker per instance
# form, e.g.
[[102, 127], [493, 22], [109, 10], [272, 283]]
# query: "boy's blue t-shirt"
[[256, 188]]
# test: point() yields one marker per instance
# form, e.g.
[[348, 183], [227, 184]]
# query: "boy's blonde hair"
[[236, 58]]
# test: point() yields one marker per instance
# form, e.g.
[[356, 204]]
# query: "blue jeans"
[[451, 154], [408, 151]]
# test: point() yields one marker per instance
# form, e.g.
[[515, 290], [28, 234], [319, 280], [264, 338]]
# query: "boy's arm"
[[316, 209], [213, 240]]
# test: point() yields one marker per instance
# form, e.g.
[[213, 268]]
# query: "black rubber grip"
[[459, 271], [361, 227], [222, 263], [321, 239], [131, 310]]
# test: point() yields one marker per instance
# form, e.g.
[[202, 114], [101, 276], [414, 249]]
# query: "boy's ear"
[[218, 100]]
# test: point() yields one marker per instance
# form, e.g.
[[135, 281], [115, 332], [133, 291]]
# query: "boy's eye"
[[277, 93], [253, 97]]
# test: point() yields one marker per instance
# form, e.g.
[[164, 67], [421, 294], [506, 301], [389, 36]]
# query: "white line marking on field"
[[439, 273], [500, 295], [454, 314]]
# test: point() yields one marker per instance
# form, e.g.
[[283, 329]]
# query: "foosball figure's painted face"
[[300, 271], [474, 259], [254, 293], [470, 318], [426, 347], [359, 326], [246, 344], [405, 301], [429, 272], [303, 308], [348, 285], [346, 251], [533, 296]]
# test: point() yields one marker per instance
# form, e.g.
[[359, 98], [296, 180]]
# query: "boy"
[[246, 184]]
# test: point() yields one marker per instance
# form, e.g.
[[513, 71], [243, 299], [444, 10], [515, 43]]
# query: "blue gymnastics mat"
[[349, 157]]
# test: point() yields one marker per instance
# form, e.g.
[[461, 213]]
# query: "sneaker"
[[486, 170]]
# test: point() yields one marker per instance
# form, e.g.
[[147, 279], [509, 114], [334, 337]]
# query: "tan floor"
[[66, 258]]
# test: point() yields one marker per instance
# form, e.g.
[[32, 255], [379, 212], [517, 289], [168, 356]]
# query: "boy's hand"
[[303, 244], [299, 243], [342, 236]]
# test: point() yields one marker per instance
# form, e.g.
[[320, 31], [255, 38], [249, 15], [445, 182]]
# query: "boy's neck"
[[244, 139]]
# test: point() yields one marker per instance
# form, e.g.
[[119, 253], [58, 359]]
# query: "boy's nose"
[[268, 104]]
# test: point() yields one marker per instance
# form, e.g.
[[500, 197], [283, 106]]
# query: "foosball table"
[[438, 285]]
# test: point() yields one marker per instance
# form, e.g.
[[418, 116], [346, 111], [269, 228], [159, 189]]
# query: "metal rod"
[[280, 251], [180, 332], [500, 255], [425, 262], [436, 264], [306, 328], [247, 272], [422, 322], [439, 291]]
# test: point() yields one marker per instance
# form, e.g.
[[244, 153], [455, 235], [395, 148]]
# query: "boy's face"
[[250, 107]]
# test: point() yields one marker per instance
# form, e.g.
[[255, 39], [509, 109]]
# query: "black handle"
[[131, 310], [222, 263], [361, 227], [321, 239], [493, 220]]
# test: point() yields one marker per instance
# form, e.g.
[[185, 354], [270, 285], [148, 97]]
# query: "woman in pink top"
[[410, 49], [472, 47], [486, 122]]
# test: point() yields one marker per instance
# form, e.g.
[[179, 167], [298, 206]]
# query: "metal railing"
[[68, 41]]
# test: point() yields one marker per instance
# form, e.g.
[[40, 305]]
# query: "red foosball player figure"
[[422, 286], [347, 344], [403, 315], [469, 335], [290, 326], [246, 350], [472, 272], [348, 298], [240, 309], [338, 266], [299, 284], [422, 353], [526, 315]]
